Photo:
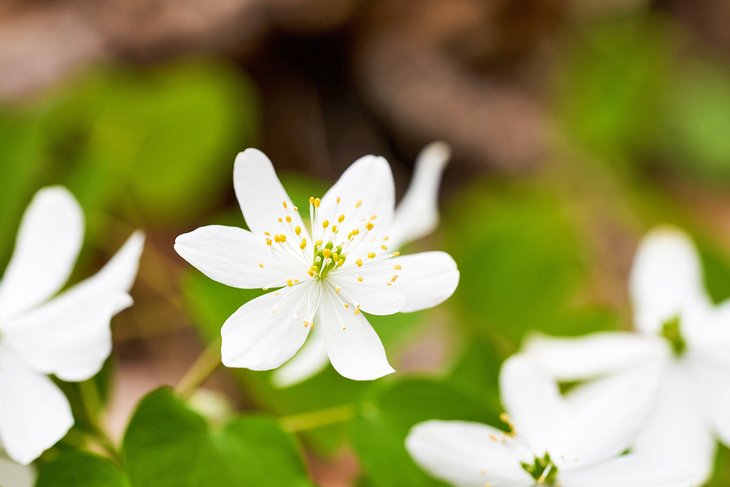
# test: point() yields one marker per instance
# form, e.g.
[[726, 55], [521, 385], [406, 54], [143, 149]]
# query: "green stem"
[[317, 419], [98, 435], [203, 367]]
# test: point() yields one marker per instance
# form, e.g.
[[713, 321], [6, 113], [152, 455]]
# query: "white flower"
[[66, 335], [344, 266], [576, 441], [677, 329]]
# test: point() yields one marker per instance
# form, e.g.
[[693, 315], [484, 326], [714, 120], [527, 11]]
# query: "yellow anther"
[[346, 306], [397, 267], [288, 219], [303, 243], [297, 230], [396, 253], [268, 242], [340, 262], [283, 203], [369, 225], [325, 224], [334, 228], [384, 247], [335, 257], [280, 220], [282, 238], [296, 208], [317, 201], [358, 204], [359, 278], [341, 218], [267, 234], [261, 266], [289, 282], [338, 200], [359, 262], [326, 253], [318, 242], [311, 200], [386, 238], [357, 310], [373, 217], [371, 255], [337, 290]]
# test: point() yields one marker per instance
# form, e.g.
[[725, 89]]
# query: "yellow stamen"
[[371, 255], [359, 262]]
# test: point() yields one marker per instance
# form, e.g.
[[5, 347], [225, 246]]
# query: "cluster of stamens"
[[326, 257]]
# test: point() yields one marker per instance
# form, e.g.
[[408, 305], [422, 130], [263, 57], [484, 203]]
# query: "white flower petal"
[[238, 258], [628, 471], [712, 379], [417, 213], [265, 332], [533, 401], [666, 279], [70, 335], [353, 347], [595, 355], [368, 288], [46, 249], [311, 359], [262, 198], [365, 190], [34, 413], [16, 475], [676, 431], [425, 279], [468, 454], [606, 415]]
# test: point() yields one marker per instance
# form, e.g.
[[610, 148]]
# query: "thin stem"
[[98, 435], [317, 419], [203, 367]]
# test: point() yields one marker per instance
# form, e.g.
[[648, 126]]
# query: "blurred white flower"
[[576, 441], [679, 330], [328, 277], [66, 335]]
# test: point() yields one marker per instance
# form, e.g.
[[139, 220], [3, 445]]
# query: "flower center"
[[542, 469], [326, 258], [672, 331]]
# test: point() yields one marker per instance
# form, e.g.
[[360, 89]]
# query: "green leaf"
[[521, 263], [167, 444], [80, 469], [20, 148], [379, 433]]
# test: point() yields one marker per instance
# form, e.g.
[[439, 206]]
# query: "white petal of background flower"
[[469, 454], [46, 248], [15, 475], [712, 380], [265, 332], [665, 280], [353, 347], [606, 415], [417, 213], [628, 471], [34, 413], [236, 257], [595, 355], [70, 336], [676, 430], [532, 400]]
